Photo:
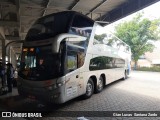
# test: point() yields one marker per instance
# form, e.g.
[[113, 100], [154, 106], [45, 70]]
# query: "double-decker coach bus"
[[66, 55]]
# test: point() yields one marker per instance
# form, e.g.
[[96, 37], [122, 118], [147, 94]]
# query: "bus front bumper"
[[44, 94]]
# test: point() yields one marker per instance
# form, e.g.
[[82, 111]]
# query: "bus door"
[[72, 76]]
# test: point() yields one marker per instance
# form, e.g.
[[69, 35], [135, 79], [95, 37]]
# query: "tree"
[[138, 33], [100, 37]]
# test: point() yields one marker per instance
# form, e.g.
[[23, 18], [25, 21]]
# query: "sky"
[[151, 12]]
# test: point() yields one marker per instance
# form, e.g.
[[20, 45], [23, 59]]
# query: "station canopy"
[[17, 16]]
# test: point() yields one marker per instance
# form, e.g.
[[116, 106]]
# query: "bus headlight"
[[55, 95], [60, 83], [54, 86]]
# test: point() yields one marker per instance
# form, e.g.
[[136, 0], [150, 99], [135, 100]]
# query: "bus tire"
[[100, 85], [89, 89], [125, 75]]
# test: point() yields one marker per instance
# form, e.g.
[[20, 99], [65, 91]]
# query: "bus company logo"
[[6, 114]]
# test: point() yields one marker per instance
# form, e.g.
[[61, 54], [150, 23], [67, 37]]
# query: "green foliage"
[[153, 69], [100, 37], [71, 64], [137, 33], [101, 61]]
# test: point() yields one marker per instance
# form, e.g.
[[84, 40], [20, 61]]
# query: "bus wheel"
[[100, 85], [89, 89], [125, 75]]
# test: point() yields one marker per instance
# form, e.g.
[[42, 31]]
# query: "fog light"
[[59, 84], [56, 95], [19, 84], [52, 87]]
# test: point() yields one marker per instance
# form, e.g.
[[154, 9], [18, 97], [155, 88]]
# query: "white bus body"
[[86, 71]]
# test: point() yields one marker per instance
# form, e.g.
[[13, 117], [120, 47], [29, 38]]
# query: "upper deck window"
[[57, 23], [81, 26], [49, 26], [102, 36]]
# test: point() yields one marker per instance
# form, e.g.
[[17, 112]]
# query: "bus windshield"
[[49, 26], [39, 63]]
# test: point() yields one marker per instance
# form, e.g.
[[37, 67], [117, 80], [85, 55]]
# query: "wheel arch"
[[94, 78], [104, 78]]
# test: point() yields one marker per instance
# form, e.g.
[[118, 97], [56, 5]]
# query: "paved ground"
[[140, 92]]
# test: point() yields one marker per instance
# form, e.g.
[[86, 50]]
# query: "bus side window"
[[71, 61], [80, 57]]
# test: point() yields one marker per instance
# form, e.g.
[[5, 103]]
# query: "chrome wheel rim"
[[89, 89], [125, 75], [100, 86]]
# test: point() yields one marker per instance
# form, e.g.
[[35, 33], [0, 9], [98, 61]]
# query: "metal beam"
[[3, 49], [13, 42], [17, 3], [35, 16], [1, 37], [73, 4], [125, 9], [98, 5], [6, 3], [9, 23], [17, 41], [46, 6], [53, 7], [10, 37]]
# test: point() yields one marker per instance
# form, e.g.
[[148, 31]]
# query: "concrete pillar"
[[3, 52], [9, 54], [13, 58], [2, 38]]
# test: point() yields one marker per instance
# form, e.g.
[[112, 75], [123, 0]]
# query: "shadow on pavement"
[[19, 104]]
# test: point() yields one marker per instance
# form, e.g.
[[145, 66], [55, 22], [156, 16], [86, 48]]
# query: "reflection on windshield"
[[49, 26], [105, 37], [38, 63]]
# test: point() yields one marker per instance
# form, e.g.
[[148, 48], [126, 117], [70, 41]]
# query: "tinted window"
[[71, 61], [38, 63], [99, 63], [81, 57], [104, 37], [81, 25], [74, 60], [49, 26]]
